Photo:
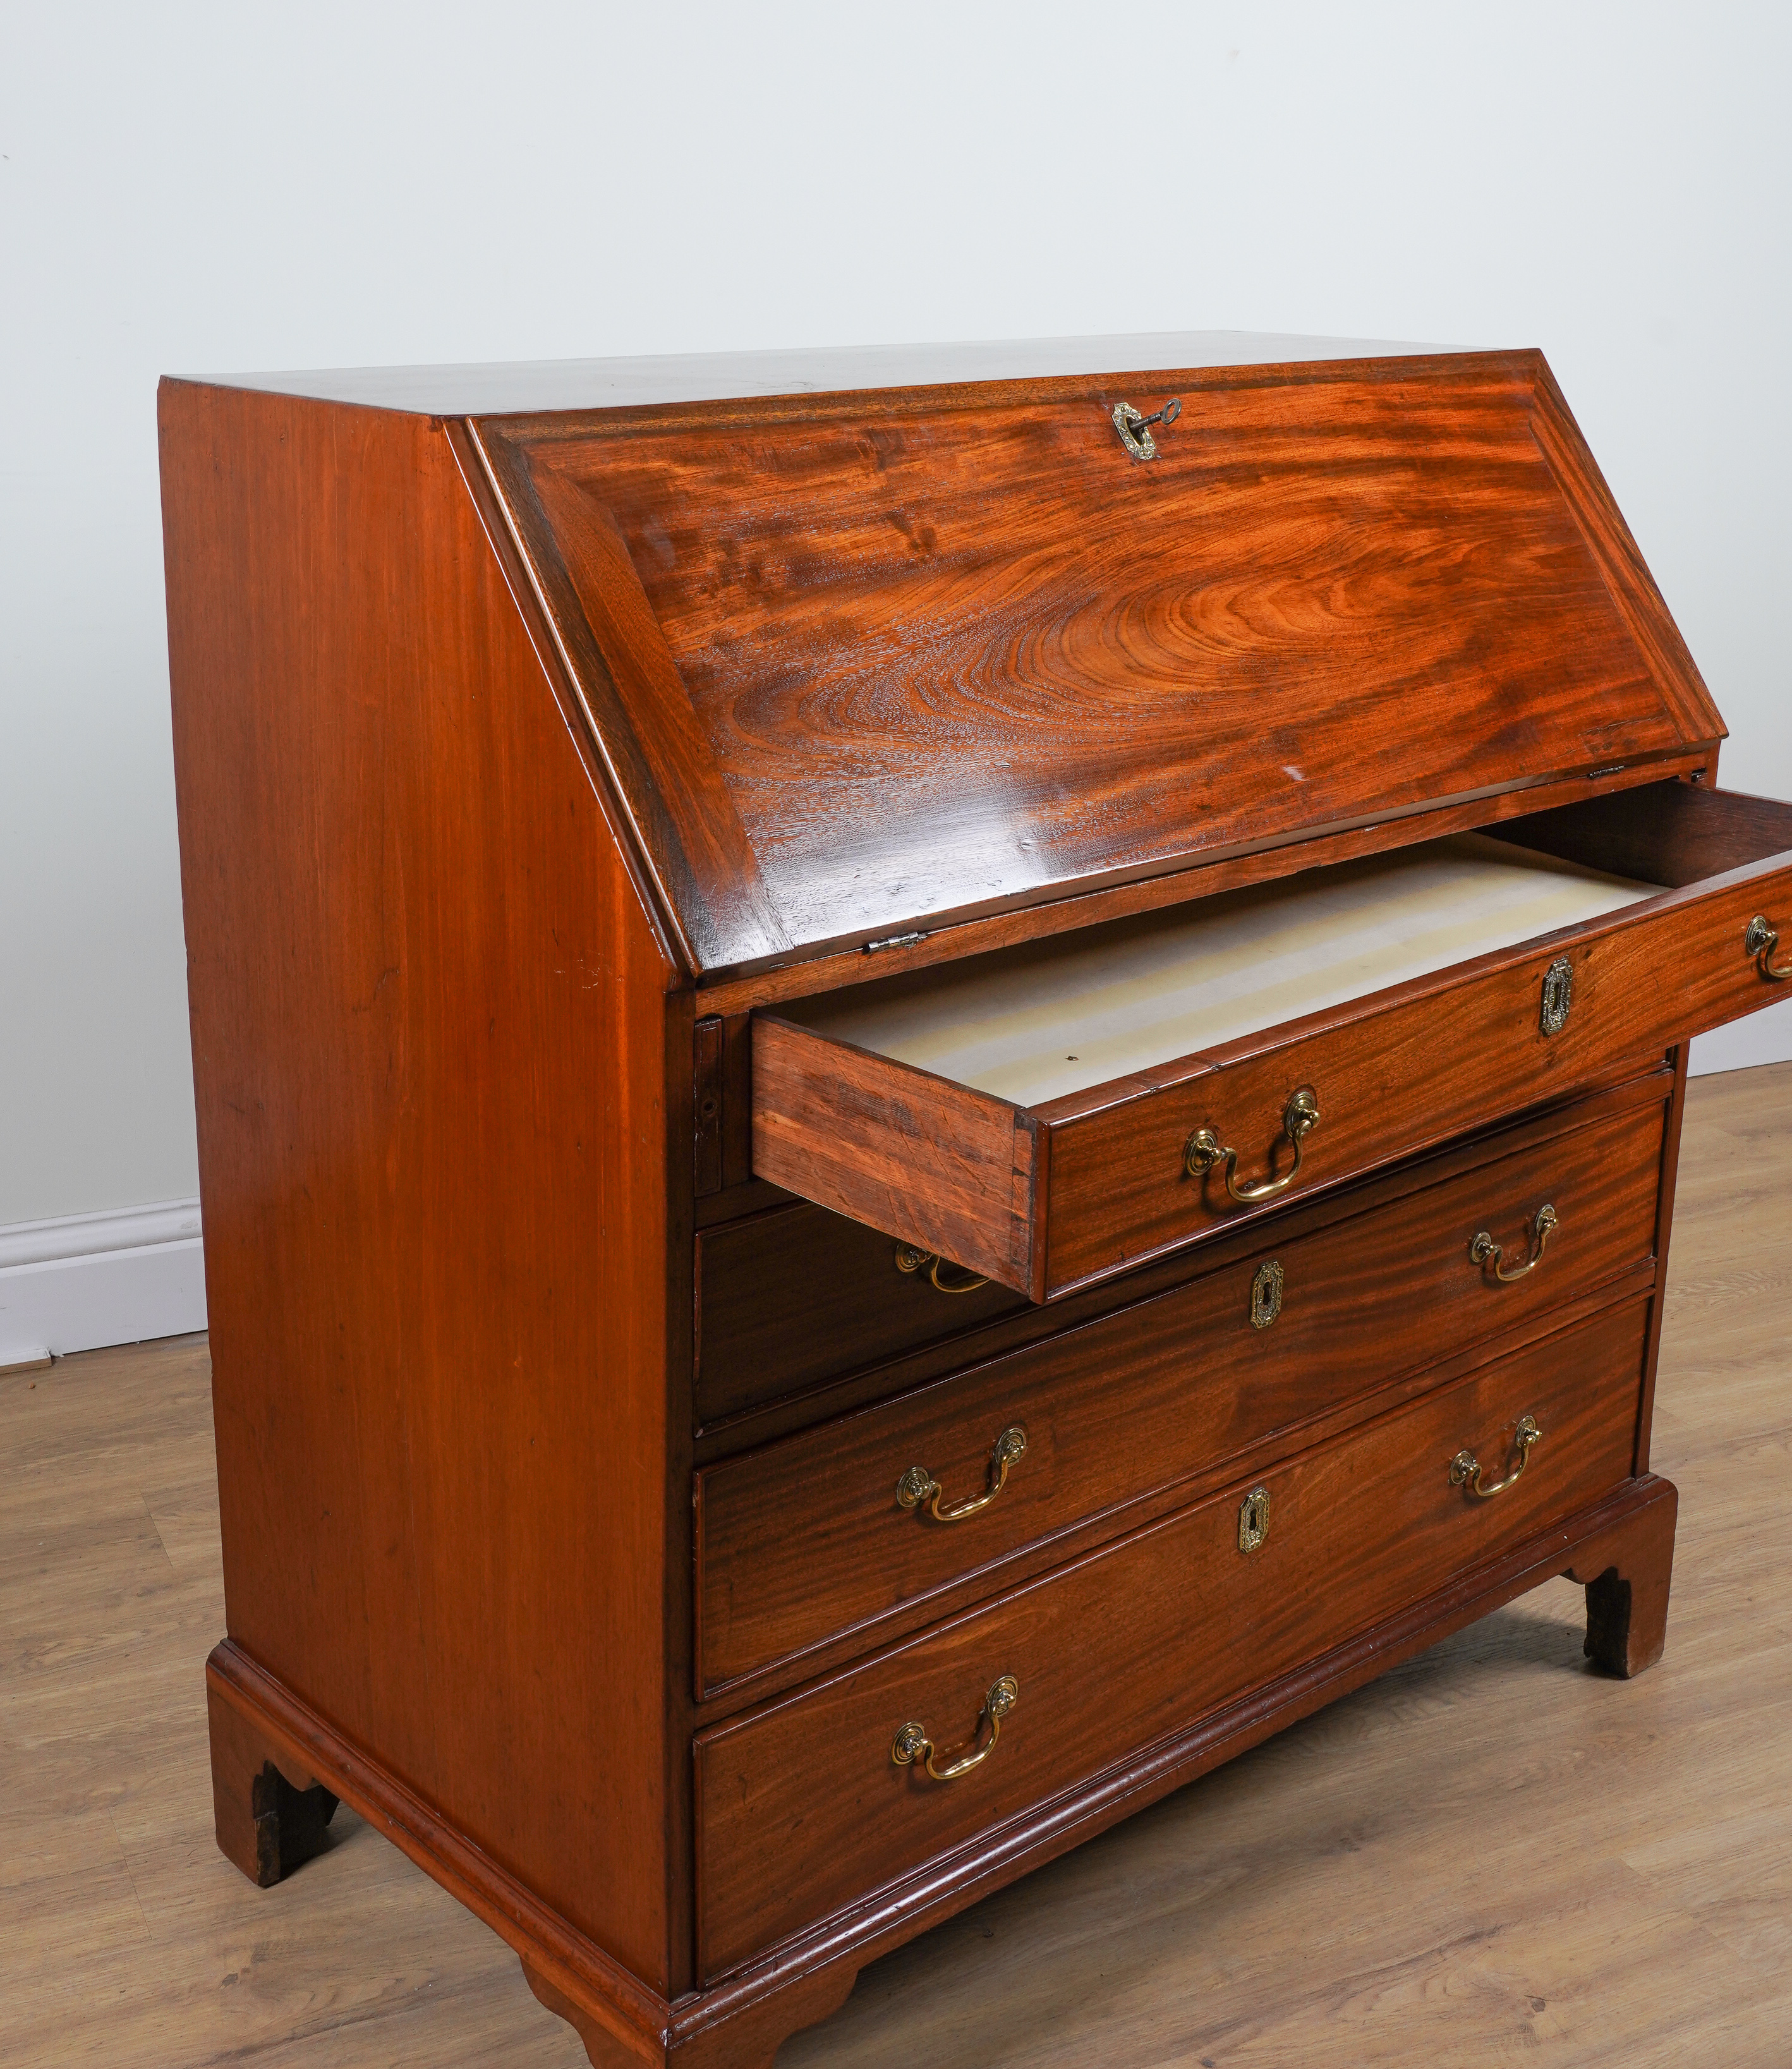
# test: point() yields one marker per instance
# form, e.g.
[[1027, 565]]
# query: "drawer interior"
[[1036, 1023], [1032, 1114]]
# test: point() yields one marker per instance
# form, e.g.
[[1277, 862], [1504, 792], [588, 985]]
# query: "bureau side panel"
[[430, 1039]]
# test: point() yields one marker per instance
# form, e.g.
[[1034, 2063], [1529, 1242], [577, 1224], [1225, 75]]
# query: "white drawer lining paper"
[[1033, 1023]]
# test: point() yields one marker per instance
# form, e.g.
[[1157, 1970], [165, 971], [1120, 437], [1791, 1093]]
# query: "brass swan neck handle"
[[1205, 1149], [911, 1743], [918, 1485], [910, 1258], [1465, 1469], [1759, 941], [1484, 1251]]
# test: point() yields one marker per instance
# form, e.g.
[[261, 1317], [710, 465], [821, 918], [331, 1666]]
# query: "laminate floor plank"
[[1492, 1855]]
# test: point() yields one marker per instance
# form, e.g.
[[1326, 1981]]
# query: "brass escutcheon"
[[1253, 1519], [1484, 1251], [909, 1259], [1134, 427], [911, 1743], [1558, 995], [1205, 1149], [1465, 1470], [918, 1485], [1266, 1294], [1760, 940]]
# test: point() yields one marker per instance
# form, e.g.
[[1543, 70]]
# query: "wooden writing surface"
[[913, 653]]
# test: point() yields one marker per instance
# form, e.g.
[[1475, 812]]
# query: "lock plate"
[[1253, 1519], [1558, 994], [1266, 1294]]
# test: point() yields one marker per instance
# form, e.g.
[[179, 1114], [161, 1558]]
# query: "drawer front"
[[1408, 1071], [801, 1807], [788, 1299], [809, 1538]]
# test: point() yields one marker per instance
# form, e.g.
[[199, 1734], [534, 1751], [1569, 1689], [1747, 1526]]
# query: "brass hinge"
[[894, 941]]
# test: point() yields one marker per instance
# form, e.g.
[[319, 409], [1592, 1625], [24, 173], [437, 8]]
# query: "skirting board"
[[1763, 1038], [116, 1277]]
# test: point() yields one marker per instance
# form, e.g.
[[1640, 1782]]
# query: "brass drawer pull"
[[918, 1485], [1485, 1250], [913, 1744], [1205, 1149], [1465, 1470], [1759, 942], [908, 1258]]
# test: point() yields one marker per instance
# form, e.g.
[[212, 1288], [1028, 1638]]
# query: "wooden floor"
[[1493, 1855]]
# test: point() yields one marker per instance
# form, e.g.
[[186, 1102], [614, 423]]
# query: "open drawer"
[[1051, 1115]]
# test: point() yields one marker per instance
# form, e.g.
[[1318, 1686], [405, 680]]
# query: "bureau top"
[[509, 386], [877, 641]]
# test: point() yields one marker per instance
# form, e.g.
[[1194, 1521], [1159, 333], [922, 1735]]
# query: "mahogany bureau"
[[929, 1085]]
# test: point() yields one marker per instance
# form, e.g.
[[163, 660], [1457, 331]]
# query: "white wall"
[[191, 188]]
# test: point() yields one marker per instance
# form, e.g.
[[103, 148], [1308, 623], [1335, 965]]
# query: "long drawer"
[[818, 1535], [791, 1297], [803, 1806], [1073, 1174]]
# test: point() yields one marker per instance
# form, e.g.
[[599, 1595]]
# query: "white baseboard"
[[1763, 1038], [116, 1277]]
